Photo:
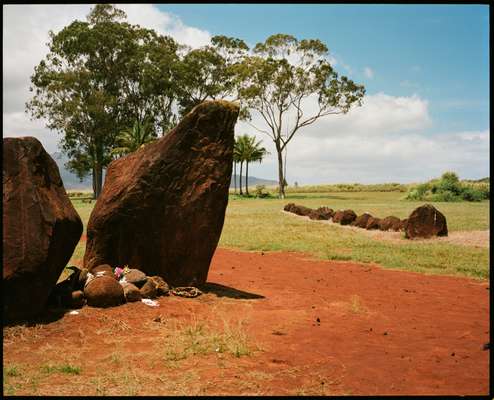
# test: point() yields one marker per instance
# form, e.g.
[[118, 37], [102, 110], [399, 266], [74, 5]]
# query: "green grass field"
[[259, 224]]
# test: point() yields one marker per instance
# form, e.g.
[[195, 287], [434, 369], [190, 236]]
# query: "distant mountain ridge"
[[72, 182]]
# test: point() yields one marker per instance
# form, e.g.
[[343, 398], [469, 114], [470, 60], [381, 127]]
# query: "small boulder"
[[425, 222], [289, 207], [373, 223], [103, 269], [77, 299], [300, 210], [344, 217], [104, 291], [361, 220], [326, 212], [136, 277], [131, 292], [321, 213], [161, 286], [390, 223], [149, 290]]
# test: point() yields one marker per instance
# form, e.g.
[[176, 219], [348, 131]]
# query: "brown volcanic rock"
[[390, 223], [424, 222], [344, 217], [136, 277], [162, 207], [131, 292], [103, 269], [361, 220], [322, 213], [326, 211], [373, 223], [40, 227], [301, 210], [289, 207], [104, 291]]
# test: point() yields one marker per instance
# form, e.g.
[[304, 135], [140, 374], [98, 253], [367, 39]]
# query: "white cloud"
[[385, 140], [25, 34], [149, 16], [368, 72]]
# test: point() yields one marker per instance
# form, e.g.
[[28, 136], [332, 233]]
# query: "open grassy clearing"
[[259, 224]]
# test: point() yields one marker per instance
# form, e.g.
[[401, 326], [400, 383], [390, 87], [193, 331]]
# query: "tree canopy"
[[281, 78], [104, 80]]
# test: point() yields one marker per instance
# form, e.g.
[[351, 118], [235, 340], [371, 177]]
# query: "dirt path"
[[293, 326], [464, 238]]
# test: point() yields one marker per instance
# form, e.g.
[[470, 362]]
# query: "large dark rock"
[[103, 269], [299, 210], [40, 227], [136, 277], [425, 222], [321, 213], [390, 223], [361, 220], [288, 207], [344, 217], [104, 291], [162, 207], [131, 292], [373, 223]]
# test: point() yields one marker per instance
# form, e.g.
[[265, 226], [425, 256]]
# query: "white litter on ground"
[[150, 302], [74, 312]]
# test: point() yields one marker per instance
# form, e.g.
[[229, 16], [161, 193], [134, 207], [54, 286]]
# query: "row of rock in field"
[[424, 222], [161, 210]]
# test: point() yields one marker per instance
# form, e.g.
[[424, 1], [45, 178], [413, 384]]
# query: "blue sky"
[[437, 51], [425, 69]]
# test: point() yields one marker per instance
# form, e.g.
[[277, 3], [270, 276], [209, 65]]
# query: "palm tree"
[[240, 150], [253, 152], [131, 139], [247, 150], [236, 159]]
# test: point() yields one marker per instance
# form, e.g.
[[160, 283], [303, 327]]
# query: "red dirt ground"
[[323, 327]]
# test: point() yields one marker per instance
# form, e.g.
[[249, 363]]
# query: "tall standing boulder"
[[425, 222], [40, 227], [162, 207]]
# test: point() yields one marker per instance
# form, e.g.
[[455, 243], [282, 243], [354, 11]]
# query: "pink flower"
[[118, 272]]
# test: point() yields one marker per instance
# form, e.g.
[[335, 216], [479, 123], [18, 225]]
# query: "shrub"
[[260, 191], [449, 188]]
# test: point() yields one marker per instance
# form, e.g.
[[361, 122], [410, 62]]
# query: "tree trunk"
[[97, 180], [247, 178], [235, 176], [281, 177], [97, 172], [241, 163]]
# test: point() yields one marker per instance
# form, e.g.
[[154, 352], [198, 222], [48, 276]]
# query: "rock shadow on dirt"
[[227, 291], [46, 317]]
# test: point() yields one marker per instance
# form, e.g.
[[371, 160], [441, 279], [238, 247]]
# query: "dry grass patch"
[[184, 339]]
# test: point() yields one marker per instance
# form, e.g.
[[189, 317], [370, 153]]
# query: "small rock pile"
[[424, 222], [108, 287]]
